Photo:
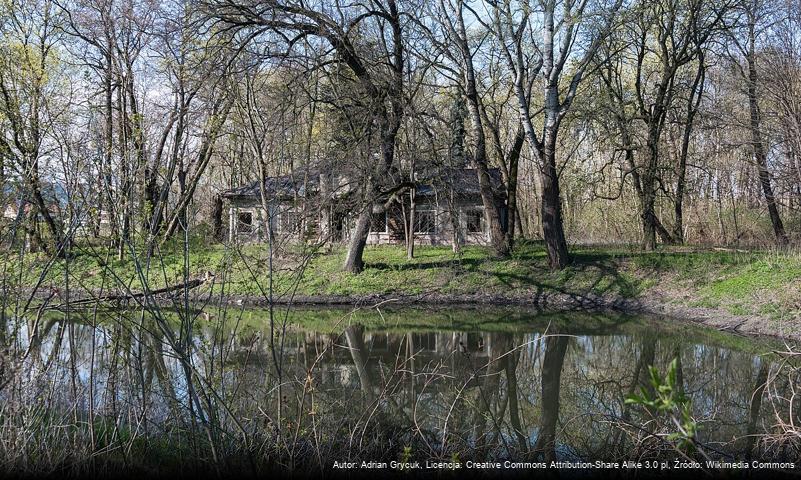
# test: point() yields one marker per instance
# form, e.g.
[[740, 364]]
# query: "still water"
[[222, 389]]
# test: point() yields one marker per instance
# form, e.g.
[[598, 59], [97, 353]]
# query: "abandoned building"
[[448, 208]]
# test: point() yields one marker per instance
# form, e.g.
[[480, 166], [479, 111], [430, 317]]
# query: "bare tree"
[[663, 37], [753, 15], [456, 45], [563, 27], [378, 70], [27, 104]]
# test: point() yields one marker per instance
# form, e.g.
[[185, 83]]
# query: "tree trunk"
[[756, 138], [693, 102], [660, 228], [556, 347], [453, 216], [551, 209], [412, 207], [648, 201], [108, 146], [678, 206], [513, 159], [188, 185], [353, 261], [550, 203], [498, 240], [32, 176], [126, 169], [217, 218]]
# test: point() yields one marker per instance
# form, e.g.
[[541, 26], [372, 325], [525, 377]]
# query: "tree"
[[752, 15], [693, 102], [660, 40], [456, 46], [369, 42], [552, 363], [28, 91], [561, 31]]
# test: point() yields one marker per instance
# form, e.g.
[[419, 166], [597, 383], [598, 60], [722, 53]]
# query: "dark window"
[[475, 342], [312, 225], [245, 222], [424, 221], [378, 222], [424, 341], [473, 219], [380, 341], [290, 222]]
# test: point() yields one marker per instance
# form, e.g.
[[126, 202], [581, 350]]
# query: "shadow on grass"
[[591, 274]]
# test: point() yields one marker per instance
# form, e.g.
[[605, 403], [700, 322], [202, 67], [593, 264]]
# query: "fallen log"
[[124, 297]]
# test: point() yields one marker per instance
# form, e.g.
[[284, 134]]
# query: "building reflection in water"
[[533, 393]]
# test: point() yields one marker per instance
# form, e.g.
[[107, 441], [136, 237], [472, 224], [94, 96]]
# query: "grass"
[[743, 283]]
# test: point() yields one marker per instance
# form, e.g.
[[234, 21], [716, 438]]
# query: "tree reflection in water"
[[520, 391]]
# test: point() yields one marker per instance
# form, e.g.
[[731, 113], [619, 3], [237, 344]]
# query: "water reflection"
[[538, 389]]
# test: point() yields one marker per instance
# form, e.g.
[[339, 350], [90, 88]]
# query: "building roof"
[[283, 186], [464, 182], [54, 195]]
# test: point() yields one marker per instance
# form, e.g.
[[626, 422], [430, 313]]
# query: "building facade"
[[314, 207]]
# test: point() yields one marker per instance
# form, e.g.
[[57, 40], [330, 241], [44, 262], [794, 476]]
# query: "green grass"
[[742, 283]]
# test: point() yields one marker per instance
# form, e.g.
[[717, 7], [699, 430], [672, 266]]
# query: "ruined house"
[[307, 205]]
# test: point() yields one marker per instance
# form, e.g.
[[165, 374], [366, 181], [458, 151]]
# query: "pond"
[[226, 390]]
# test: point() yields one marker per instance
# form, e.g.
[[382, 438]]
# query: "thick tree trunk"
[[648, 224], [353, 261], [498, 239], [33, 237], [648, 200], [36, 192], [551, 209], [550, 201], [217, 218], [556, 347], [660, 228], [358, 240]]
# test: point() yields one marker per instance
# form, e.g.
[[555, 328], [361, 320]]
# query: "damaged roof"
[[283, 186], [464, 182]]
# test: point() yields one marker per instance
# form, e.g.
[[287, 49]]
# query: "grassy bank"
[[767, 284]]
